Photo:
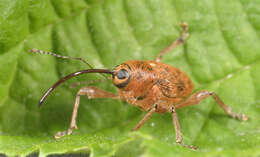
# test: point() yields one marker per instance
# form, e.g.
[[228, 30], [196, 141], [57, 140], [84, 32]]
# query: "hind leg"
[[177, 42], [92, 93], [199, 96]]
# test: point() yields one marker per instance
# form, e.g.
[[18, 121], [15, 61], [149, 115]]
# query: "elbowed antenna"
[[34, 50], [71, 76]]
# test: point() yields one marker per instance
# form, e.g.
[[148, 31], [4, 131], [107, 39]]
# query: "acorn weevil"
[[150, 85]]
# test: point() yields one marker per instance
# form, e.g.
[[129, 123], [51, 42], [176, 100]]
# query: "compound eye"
[[122, 74]]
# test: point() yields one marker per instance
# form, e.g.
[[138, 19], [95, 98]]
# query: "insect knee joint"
[[181, 40], [179, 141], [172, 110], [212, 93]]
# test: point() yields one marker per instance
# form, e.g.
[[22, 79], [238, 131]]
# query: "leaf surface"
[[222, 54]]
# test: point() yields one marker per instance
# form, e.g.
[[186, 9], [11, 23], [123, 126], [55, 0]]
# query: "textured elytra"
[[221, 54]]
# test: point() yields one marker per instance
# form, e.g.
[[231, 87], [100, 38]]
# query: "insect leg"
[[178, 130], [177, 42], [91, 92], [199, 96], [146, 117]]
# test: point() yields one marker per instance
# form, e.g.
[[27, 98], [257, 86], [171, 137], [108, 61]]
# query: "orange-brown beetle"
[[150, 85]]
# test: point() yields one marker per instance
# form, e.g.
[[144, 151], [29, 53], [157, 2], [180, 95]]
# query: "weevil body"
[[145, 83], [150, 85]]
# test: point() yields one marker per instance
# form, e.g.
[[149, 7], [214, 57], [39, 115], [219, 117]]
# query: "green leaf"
[[222, 55]]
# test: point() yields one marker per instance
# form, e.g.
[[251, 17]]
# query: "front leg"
[[92, 93]]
